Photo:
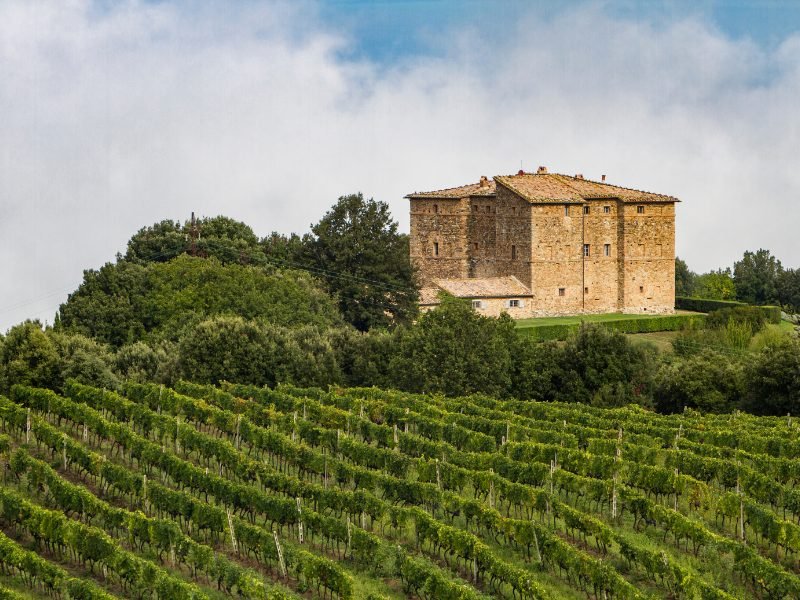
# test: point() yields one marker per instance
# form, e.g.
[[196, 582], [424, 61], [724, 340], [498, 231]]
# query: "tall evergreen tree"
[[358, 251]]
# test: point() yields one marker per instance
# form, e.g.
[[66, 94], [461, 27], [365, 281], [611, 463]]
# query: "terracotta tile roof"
[[429, 296], [553, 187], [484, 287], [547, 187], [464, 191]]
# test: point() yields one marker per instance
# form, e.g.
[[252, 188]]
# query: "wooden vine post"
[[28, 428], [349, 535], [279, 550], [232, 532], [299, 520]]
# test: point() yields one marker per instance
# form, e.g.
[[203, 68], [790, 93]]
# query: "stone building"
[[571, 245]]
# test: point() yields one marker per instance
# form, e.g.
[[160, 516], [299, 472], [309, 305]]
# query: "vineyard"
[[246, 492]]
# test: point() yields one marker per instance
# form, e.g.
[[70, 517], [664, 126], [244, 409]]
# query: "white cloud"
[[115, 118]]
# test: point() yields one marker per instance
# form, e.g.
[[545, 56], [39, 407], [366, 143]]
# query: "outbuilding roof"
[[547, 187]]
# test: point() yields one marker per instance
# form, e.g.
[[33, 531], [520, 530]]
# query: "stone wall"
[[630, 265], [649, 261], [514, 243], [438, 238], [481, 236]]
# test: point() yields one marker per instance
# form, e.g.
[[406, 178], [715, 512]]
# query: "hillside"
[[238, 491]]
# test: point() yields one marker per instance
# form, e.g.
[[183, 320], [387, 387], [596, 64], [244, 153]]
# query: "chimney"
[[602, 177], [484, 182], [541, 170], [520, 172], [579, 176]]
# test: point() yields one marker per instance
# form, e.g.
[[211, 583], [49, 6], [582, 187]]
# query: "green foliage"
[[752, 316], [123, 302], [364, 357], [773, 381], [707, 380], [233, 349], [84, 360], [141, 362], [223, 238], [29, 356], [717, 285], [756, 277], [602, 367], [366, 263], [788, 289], [708, 305], [684, 278], [641, 324], [454, 350]]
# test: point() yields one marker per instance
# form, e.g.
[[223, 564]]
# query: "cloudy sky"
[[114, 115]]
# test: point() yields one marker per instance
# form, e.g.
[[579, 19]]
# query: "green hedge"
[[705, 305], [632, 325]]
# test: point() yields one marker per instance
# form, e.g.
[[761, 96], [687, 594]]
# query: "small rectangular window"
[[641, 289], [586, 210], [436, 248], [607, 249], [606, 209], [435, 208], [476, 245], [585, 290], [513, 252], [566, 210], [562, 291], [477, 304], [586, 251], [474, 208], [513, 210], [640, 210], [513, 303]]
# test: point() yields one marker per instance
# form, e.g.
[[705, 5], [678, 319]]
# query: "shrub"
[[706, 305], [752, 316], [631, 325]]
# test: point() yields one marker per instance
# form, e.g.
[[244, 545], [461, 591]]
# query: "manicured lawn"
[[604, 318]]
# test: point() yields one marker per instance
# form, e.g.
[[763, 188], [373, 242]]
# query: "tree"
[[28, 356], [756, 276], [602, 367], [233, 349], [125, 302], [365, 262], [227, 348], [223, 238], [454, 350], [772, 381], [684, 278], [788, 287], [715, 285], [707, 380]]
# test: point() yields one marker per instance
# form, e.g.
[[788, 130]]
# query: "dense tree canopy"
[[124, 302], [756, 276], [223, 238], [365, 262], [684, 278], [715, 285], [455, 351]]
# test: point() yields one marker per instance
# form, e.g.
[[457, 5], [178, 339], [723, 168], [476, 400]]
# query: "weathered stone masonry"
[[578, 246]]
